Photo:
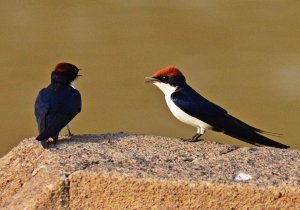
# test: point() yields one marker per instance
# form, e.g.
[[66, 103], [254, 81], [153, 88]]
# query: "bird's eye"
[[164, 78]]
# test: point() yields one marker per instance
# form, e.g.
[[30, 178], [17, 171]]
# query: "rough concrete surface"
[[122, 171]]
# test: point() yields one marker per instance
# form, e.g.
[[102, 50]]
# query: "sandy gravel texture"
[[123, 171]]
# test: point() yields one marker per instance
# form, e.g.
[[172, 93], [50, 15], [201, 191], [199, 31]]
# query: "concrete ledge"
[[122, 171], [105, 191]]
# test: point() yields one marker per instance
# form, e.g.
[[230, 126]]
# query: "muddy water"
[[243, 55]]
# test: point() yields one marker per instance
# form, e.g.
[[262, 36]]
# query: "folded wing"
[[199, 107]]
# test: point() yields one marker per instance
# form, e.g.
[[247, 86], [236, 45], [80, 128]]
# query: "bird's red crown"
[[170, 71], [64, 73], [65, 67]]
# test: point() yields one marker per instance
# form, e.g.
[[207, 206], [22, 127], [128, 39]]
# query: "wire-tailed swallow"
[[191, 108], [57, 104]]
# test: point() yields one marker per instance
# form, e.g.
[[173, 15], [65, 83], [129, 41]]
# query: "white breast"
[[73, 84], [177, 112]]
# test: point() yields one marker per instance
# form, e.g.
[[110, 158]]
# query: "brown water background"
[[243, 55]]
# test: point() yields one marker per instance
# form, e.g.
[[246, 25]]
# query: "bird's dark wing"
[[62, 109], [242, 131], [41, 109], [77, 102], [58, 122], [256, 129], [197, 106]]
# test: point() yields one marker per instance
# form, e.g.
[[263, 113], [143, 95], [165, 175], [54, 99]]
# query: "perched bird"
[[57, 104], [191, 108]]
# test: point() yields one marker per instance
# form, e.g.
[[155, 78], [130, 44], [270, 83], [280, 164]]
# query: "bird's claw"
[[47, 143], [196, 137], [190, 140]]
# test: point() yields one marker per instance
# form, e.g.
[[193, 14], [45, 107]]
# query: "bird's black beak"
[[79, 75], [150, 79]]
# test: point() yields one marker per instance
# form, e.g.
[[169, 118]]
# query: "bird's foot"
[[195, 138], [190, 140], [67, 135], [47, 143]]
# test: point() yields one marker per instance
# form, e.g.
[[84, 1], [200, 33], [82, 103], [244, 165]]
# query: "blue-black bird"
[[191, 108], [57, 104]]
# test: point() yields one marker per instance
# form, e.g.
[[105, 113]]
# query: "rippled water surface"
[[242, 55]]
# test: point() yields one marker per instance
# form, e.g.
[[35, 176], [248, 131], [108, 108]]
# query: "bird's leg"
[[196, 137], [69, 130]]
